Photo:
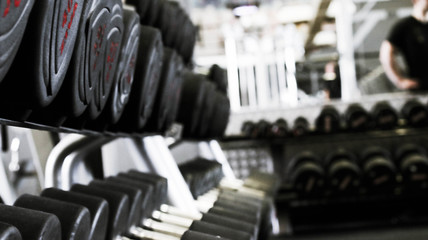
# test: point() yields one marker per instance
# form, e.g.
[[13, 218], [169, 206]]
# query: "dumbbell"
[[379, 172], [221, 115], [33, 225], [278, 129], [208, 108], [81, 86], [153, 179], [45, 51], [174, 37], [136, 203], [163, 20], [247, 128], [219, 76], [175, 95], [357, 118], [98, 209], [9, 232], [162, 105], [187, 45], [384, 116], [192, 99], [343, 172], [124, 78], [306, 174], [300, 127], [146, 83], [142, 8], [74, 219], [415, 113], [14, 17], [412, 162], [328, 121]]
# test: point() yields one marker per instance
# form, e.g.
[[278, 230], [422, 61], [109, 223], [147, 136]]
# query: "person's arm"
[[388, 61]]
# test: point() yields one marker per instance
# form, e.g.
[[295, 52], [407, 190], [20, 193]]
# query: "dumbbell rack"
[[297, 213]]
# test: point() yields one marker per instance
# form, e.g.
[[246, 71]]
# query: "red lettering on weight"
[[65, 19], [98, 44], [7, 9], [111, 57]]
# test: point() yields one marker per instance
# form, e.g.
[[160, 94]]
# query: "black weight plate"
[[175, 95], [141, 7], [13, 21], [208, 106], [146, 81], [123, 81], [219, 127], [192, 98], [114, 34], [179, 17], [45, 52], [162, 103], [152, 12], [219, 76]]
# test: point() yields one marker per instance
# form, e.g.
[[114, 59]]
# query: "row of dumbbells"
[[355, 119], [376, 170], [132, 206], [98, 65]]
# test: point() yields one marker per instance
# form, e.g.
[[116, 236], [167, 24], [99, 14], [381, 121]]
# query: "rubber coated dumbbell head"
[[384, 116], [306, 174], [219, 76], [113, 45], [328, 121], [175, 36], [134, 195], [141, 7], [45, 52], [413, 164], [415, 113], [262, 129], [98, 209], [14, 17], [160, 184], [357, 118], [278, 129], [300, 127], [343, 172], [148, 202], [33, 225], [163, 104], [175, 93], [190, 109], [208, 108], [146, 82], [379, 169], [221, 115], [124, 78], [74, 219], [118, 208], [9, 232]]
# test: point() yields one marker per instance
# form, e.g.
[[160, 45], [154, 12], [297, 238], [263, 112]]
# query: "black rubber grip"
[[98, 209], [146, 81], [148, 202], [118, 208], [45, 52], [33, 225], [134, 195], [75, 219], [13, 19], [242, 216], [9, 232], [192, 235], [221, 231], [231, 223]]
